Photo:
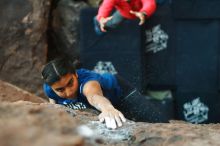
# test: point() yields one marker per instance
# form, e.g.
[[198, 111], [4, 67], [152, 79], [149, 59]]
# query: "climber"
[[110, 94], [125, 9]]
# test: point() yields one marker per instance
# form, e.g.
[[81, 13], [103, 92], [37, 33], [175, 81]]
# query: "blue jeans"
[[111, 24], [115, 21]]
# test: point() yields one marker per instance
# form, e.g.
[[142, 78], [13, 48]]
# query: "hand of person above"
[[140, 15], [103, 21], [112, 117]]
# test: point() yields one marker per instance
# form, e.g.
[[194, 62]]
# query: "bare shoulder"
[[92, 87]]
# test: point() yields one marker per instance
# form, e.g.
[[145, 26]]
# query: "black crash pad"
[[121, 46]]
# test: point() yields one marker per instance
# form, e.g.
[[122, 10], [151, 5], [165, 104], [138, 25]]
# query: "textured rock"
[[11, 93], [38, 123], [23, 42], [64, 28], [26, 123]]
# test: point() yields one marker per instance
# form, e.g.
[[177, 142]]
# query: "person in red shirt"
[[125, 9]]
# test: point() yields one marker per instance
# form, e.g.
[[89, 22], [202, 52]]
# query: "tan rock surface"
[[26, 123], [29, 124], [9, 92], [35, 124]]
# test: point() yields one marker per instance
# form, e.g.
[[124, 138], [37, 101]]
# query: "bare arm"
[[109, 114]]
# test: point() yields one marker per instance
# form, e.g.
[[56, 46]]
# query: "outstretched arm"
[[109, 114]]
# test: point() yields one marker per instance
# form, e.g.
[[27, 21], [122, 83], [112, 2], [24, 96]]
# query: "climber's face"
[[67, 86]]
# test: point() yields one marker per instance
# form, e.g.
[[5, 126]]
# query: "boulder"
[[37, 124], [11, 93], [23, 42], [64, 28]]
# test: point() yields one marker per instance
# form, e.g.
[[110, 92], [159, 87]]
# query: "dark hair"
[[55, 69]]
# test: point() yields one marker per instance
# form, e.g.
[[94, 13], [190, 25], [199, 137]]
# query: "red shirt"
[[124, 7]]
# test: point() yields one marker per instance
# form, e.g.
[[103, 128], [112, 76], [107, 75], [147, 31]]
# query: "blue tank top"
[[108, 83]]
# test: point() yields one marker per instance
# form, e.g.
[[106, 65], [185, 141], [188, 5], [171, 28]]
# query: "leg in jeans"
[[115, 21], [111, 24], [137, 107]]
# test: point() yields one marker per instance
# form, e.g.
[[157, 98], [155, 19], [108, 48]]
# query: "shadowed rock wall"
[[23, 42], [63, 30]]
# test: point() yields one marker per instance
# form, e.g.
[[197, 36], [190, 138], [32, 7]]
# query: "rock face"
[[36, 124], [64, 28], [25, 123], [23, 42], [11, 93], [28, 124]]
